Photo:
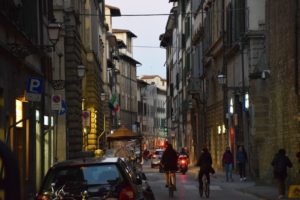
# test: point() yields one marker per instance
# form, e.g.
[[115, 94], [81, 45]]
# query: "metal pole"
[[98, 139], [56, 137]]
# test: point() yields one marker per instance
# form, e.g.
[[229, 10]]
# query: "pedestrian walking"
[[242, 159], [227, 161], [280, 163]]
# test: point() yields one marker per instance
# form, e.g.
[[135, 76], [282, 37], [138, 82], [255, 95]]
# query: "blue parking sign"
[[35, 85]]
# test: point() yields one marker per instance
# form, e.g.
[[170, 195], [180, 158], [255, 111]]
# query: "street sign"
[[35, 85], [86, 118], [32, 97], [34, 89], [63, 109], [56, 102]]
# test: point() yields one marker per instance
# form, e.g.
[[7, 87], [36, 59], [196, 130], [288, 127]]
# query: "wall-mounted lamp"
[[23, 50], [103, 96], [54, 32], [81, 69], [221, 79]]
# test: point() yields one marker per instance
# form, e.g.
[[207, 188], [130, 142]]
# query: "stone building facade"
[[127, 81], [279, 127], [256, 50]]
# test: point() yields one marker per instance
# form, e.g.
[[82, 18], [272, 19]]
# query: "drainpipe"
[[296, 49], [41, 25]]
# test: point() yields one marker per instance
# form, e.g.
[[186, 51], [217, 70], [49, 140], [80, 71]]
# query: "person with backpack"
[[280, 163]]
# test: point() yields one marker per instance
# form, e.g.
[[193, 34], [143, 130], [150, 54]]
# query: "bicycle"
[[205, 186], [171, 181]]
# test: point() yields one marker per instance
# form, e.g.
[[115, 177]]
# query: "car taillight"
[[41, 197], [126, 193], [182, 161]]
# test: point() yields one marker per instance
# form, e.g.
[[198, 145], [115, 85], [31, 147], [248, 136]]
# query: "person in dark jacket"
[[242, 159], [280, 163], [227, 161], [169, 162], [205, 164]]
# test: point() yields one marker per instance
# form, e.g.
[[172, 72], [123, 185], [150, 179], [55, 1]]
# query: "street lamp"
[[23, 50], [81, 70], [54, 32], [222, 79], [103, 98]]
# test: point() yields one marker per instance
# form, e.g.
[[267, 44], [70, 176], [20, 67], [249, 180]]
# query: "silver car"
[[156, 157]]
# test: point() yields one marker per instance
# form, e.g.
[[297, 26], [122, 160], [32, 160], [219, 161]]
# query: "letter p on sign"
[[35, 85]]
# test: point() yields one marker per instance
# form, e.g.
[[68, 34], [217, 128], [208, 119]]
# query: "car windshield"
[[160, 152], [82, 176]]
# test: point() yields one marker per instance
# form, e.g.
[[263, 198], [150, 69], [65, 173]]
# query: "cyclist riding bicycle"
[[169, 163], [205, 164]]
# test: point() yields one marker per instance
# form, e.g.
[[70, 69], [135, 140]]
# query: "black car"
[[93, 178]]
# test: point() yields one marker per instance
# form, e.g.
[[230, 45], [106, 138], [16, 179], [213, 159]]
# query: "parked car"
[[156, 157], [96, 178], [147, 190]]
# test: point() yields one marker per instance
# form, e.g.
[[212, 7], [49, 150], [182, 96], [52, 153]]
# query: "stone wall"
[[283, 128], [73, 92]]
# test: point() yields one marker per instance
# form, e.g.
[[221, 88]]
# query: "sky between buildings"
[[146, 47]]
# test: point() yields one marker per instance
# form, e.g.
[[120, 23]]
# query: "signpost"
[[34, 89], [56, 102], [86, 118]]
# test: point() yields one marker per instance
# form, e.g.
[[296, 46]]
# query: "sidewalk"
[[265, 192]]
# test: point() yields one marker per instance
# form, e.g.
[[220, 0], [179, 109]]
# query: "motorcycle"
[[183, 163]]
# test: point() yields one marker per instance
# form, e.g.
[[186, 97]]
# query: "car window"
[[83, 175], [159, 153]]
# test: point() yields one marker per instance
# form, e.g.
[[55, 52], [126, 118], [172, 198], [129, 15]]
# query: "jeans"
[[228, 170], [242, 169]]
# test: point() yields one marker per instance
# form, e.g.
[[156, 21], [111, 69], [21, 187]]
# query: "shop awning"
[[122, 133]]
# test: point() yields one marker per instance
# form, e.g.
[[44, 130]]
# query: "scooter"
[[183, 163]]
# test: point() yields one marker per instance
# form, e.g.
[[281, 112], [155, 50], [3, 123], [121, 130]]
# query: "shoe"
[[166, 185], [241, 179], [244, 179]]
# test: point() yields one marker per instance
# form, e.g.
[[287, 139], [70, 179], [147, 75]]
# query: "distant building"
[[126, 85], [156, 79], [152, 112]]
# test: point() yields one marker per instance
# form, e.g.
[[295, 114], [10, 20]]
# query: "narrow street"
[[187, 186]]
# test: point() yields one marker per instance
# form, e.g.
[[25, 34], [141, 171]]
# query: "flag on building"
[[114, 104]]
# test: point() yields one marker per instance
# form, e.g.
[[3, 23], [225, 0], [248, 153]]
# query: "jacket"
[[205, 162], [280, 164], [169, 160], [227, 157]]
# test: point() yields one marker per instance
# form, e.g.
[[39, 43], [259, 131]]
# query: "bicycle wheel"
[[206, 189], [171, 184], [202, 187], [201, 190], [171, 191]]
